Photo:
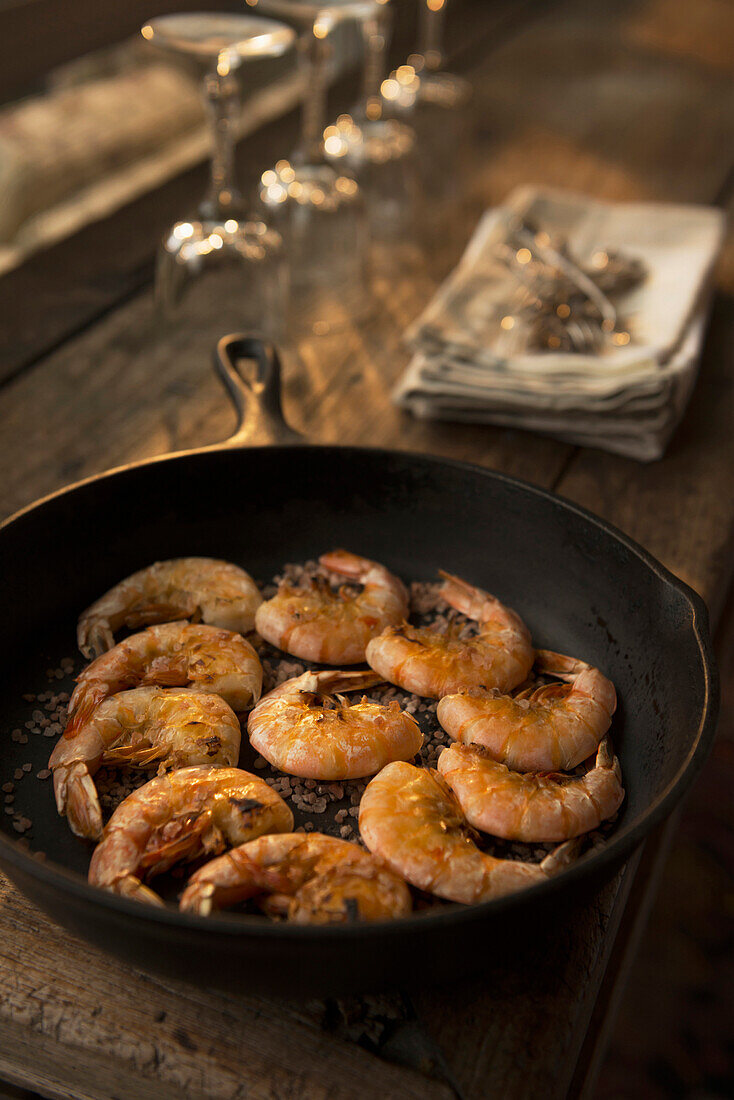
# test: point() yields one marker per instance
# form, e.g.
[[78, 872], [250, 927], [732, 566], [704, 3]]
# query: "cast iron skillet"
[[582, 587]]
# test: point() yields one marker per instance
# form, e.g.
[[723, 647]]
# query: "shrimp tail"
[[460, 594], [561, 857], [131, 887], [94, 637], [199, 897], [479, 605], [76, 797], [557, 664], [82, 705], [605, 758], [346, 563]]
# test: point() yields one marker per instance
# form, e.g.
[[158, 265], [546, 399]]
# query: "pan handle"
[[250, 370]]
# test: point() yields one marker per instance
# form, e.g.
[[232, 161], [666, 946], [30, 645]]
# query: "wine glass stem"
[[315, 53], [222, 97], [374, 34], [431, 33]]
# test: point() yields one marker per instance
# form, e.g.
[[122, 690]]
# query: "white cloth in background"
[[627, 399]]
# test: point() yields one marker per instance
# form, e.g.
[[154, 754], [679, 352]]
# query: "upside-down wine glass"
[[318, 207], [436, 85], [378, 150], [434, 102], [235, 259]]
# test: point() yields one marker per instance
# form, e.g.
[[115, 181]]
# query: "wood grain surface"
[[619, 99]]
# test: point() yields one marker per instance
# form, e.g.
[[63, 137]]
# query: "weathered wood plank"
[[637, 911], [582, 99], [494, 1047], [67, 1005]]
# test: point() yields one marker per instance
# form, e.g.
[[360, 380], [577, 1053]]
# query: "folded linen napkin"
[[626, 398]]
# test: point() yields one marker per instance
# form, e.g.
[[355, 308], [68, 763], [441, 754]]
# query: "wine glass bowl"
[[433, 101], [316, 205], [378, 150], [236, 260], [381, 155], [323, 225], [238, 266]]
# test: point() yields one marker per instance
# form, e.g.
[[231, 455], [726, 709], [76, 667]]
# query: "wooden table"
[[623, 99]]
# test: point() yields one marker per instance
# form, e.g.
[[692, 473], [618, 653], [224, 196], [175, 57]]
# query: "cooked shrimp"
[[305, 732], [179, 817], [137, 728], [180, 654], [309, 878], [216, 592], [410, 818], [318, 624], [532, 806], [544, 729], [427, 662]]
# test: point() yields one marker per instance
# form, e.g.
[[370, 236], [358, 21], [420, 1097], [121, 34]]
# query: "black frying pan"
[[582, 587]]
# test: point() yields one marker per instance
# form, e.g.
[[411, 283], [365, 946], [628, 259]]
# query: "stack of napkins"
[[627, 397]]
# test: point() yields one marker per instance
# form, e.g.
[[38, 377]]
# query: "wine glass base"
[[212, 37]]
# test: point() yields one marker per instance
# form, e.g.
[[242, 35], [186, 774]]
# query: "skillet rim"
[[617, 848]]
